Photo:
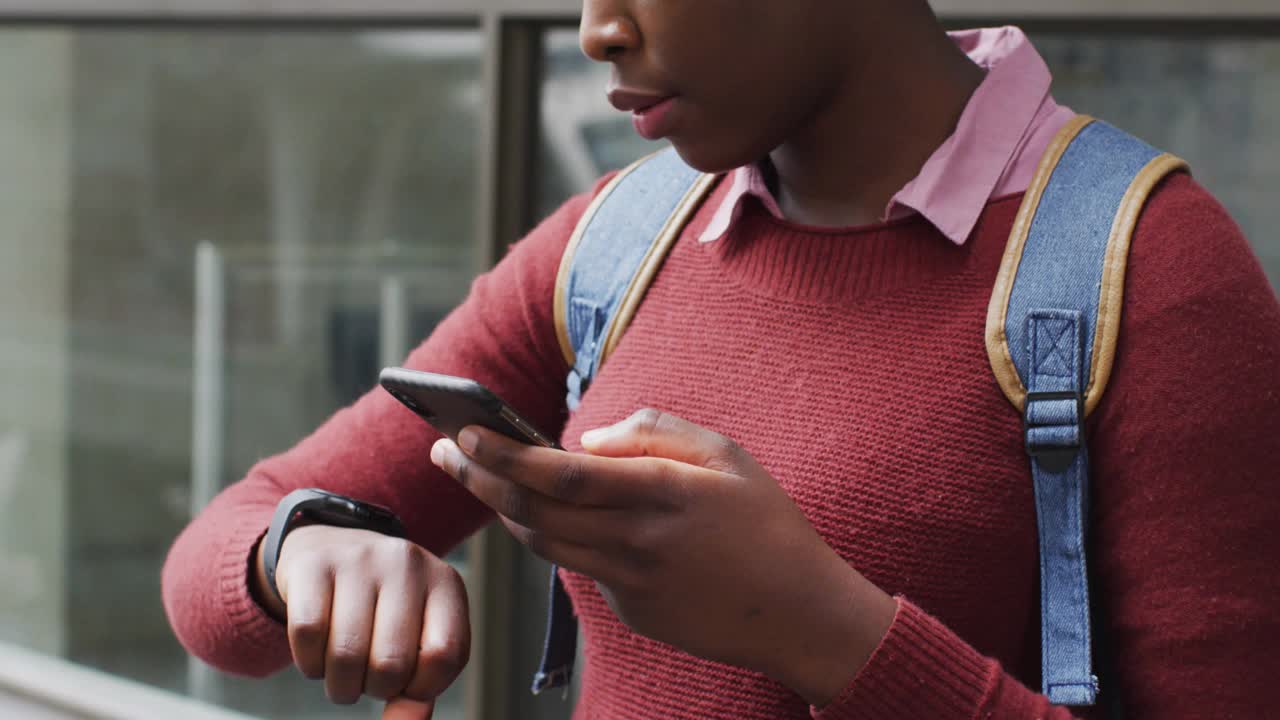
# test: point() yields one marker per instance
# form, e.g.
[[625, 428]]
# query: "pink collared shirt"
[[1004, 129]]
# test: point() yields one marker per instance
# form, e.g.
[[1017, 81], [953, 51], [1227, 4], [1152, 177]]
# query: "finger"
[[406, 709], [445, 645], [310, 605], [587, 525], [651, 433], [397, 625], [571, 478], [350, 636], [582, 559]]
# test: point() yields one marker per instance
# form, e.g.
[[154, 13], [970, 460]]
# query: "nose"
[[607, 31]]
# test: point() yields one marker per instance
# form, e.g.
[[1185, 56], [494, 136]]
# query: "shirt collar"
[[966, 171]]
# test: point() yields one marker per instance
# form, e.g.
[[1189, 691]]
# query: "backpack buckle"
[[1054, 424]]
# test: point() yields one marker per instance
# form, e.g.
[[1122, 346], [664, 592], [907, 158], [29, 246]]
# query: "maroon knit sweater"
[[851, 364]]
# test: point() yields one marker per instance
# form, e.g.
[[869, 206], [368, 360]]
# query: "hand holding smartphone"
[[450, 404]]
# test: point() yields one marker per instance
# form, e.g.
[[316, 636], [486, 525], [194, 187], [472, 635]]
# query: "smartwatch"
[[317, 507]]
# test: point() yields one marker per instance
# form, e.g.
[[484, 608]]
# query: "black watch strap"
[[317, 507]]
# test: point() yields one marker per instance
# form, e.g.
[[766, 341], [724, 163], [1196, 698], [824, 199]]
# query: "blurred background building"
[[219, 218]]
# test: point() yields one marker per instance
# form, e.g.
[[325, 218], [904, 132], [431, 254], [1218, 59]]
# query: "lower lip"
[[654, 123]]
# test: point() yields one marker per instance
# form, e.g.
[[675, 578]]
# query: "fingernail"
[[468, 439], [437, 454], [595, 437]]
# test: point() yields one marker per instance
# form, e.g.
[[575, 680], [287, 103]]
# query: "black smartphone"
[[450, 404]]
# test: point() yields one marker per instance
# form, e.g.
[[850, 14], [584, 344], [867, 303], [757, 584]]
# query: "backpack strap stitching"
[[1052, 330], [1054, 428], [1113, 277]]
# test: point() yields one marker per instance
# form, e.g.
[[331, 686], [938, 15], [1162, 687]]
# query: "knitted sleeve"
[[1185, 450], [503, 335]]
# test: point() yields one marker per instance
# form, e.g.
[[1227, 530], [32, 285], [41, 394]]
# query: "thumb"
[[650, 433], [405, 709]]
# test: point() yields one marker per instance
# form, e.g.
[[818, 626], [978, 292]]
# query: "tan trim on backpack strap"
[[653, 261], [566, 261], [998, 311], [1115, 263], [1114, 266]]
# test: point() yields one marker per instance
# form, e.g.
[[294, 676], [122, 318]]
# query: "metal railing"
[[32, 683]]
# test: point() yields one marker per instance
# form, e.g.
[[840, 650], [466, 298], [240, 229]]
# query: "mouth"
[[636, 100], [650, 111]]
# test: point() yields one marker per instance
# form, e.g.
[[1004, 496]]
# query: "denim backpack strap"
[[614, 254], [1051, 336]]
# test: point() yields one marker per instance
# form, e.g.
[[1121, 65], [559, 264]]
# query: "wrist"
[[839, 639], [311, 506], [260, 587]]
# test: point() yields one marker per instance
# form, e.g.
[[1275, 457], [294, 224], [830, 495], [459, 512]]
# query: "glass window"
[[301, 200], [1214, 101]]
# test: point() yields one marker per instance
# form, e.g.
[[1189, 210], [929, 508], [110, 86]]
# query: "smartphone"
[[450, 404]]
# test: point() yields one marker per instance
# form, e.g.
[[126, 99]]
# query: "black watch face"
[[346, 505], [313, 506]]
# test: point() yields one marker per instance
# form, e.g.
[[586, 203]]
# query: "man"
[[832, 513]]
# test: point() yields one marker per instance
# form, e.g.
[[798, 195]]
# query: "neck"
[[880, 124]]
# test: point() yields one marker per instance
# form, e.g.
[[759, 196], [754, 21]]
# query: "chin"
[[710, 156]]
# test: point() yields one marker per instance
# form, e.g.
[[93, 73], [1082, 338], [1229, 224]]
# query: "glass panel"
[[332, 172], [1213, 101]]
